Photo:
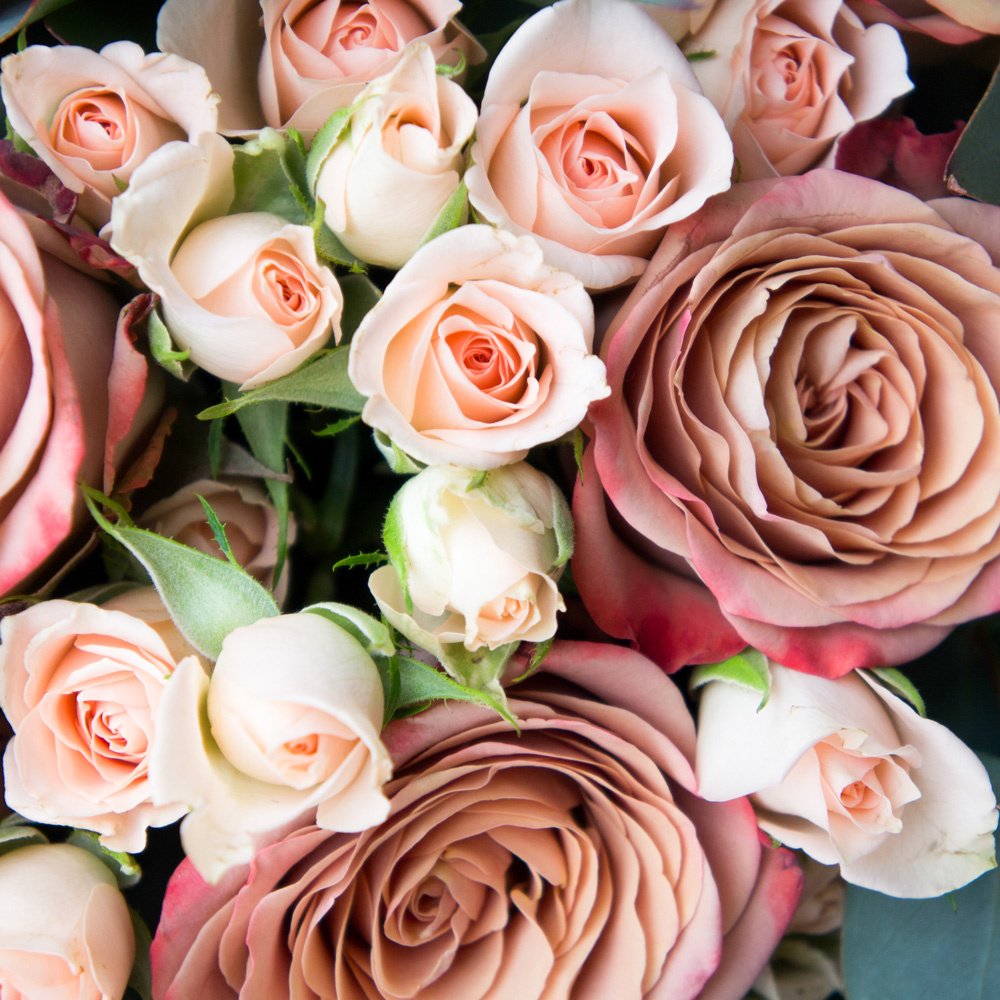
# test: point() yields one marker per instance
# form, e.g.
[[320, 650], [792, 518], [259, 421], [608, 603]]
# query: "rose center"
[[285, 292], [93, 124]]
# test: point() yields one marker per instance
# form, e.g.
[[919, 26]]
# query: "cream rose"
[[81, 686], [477, 351], [594, 136], [791, 76], [94, 117], [244, 294], [852, 775], [478, 561], [389, 176], [65, 930], [294, 709], [294, 62], [954, 22]]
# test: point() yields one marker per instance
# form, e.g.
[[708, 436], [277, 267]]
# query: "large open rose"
[[571, 860], [804, 421]]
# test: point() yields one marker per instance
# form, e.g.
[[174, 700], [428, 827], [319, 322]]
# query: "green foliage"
[[748, 670], [123, 866], [974, 166]]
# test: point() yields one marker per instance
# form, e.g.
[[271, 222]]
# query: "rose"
[[387, 179], [294, 62], [474, 563], [245, 294], [852, 775], [65, 930], [477, 351], [277, 742], [77, 394], [595, 144], [804, 421], [790, 76], [81, 685], [94, 117], [954, 22], [570, 859]]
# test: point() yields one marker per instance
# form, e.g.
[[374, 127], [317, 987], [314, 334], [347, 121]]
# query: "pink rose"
[[594, 136], [65, 930], [954, 22], [294, 62], [94, 117], [77, 392], [790, 76], [570, 860], [801, 446], [477, 351]]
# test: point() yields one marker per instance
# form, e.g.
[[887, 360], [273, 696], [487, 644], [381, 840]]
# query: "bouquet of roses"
[[470, 477]]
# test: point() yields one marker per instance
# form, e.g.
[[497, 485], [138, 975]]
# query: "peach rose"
[[477, 351], [65, 930], [294, 62], [954, 22], [569, 860], [389, 176], [252, 747], [852, 775], [790, 76], [94, 117], [245, 294], [802, 445], [76, 393], [594, 136], [81, 686]]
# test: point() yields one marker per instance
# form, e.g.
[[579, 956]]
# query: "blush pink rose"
[[790, 76], [571, 860], [954, 22], [802, 445], [294, 62], [93, 117], [594, 136], [76, 393]]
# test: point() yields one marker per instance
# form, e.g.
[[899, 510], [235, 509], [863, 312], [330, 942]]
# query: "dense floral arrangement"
[[470, 477]]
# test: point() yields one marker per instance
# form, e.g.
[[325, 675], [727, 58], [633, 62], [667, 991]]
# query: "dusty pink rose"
[[65, 930], [594, 136], [954, 22], [93, 117], [75, 393], [477, 351], [802, 445], [81, 685], [294, 62], [573, 860], [790, 76]]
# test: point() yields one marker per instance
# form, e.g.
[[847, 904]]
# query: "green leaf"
[[266, 172], [337, 427], [972, 167], [748, 670], [323, 144], [537, 658], [321, 382], [700, 56], [361, 559], [455, 213], [18, 14], [123, 866], [562, 524], [15, 832], [360, 295], [373, 634], [421, 684], [161, 346], [218, 530], [141, 977], [206, 597], [900, 684], [329, 247], [397, 459], [578, 445], [925, 949]]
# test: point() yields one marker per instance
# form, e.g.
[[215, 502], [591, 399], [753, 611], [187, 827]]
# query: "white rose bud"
[[475, 560], [389, 175]]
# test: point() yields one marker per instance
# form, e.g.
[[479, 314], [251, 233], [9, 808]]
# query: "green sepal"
[[141, 977], [701, 55], [360, 559], [443, 69], [163, 349], [454, 213], [562, 524], [329, 247], [206, 597], [323, 143], [218, 530], [397, 459], [537, 658], [322, 381], [392, 538], [123, 866], [337, 427], [16, 831], [748, 670], [360, 295], [901, 685], [373, 634], [269, 174]]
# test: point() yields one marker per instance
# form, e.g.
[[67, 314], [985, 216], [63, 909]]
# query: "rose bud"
[[391, 173], [65, 930]]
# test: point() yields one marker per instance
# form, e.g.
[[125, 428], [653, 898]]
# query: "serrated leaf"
[[420, 684], [321, 382], [218, 530], [163, 349], [206, 597], [329, 247], [337, 427], [748, 670], [972, 167], [900, 684], [323, 143], [361, 559], [123, 866], [454, 213]]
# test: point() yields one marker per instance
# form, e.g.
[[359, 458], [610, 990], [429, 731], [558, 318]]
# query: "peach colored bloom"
[[571, 860], [803, 439], [954, 22], [594, 136]]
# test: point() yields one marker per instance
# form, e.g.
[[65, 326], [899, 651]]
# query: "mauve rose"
[[294, 62], [76, 392], [570, 860], [93, 117], [954, 22], [790, 76], [802, 445], [594, 137]]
